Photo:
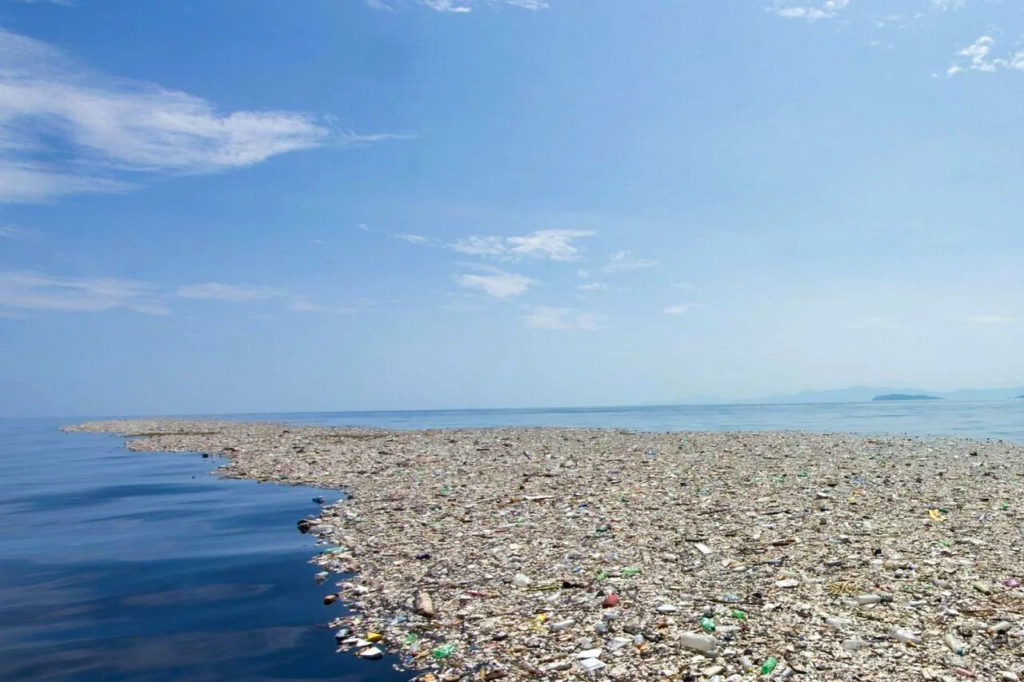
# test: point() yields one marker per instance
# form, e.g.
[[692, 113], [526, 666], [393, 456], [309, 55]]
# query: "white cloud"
[[31, 291], [12, 231], [463, 6], [992, 319], [977, 57], [546, 317], [946, 5], [553, 244], [593, 286], [624, 261], [496, 283], [218, 291], [411, 238], [810, 12], [677, 309], [105, 128], [244, 293]]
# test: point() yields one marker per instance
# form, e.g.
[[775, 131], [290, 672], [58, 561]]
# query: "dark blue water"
[[138, 566]]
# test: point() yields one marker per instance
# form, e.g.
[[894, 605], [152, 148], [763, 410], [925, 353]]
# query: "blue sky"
[[239, 206]]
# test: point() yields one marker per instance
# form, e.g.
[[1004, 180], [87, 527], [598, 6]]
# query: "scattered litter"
[[519, 554]]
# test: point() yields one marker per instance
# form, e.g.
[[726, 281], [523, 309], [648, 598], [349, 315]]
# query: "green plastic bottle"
[[708, 624], [769, 665], [442, 652], [739, 615]]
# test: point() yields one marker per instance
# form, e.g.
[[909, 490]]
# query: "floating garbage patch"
[[553, 554]]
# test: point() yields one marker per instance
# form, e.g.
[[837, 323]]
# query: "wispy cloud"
[[946, 5], [20, 290], [677, 309], [245, 293], [459, 6], [625, 261], [15, 232], [552, 244], [412, 238], [978, 57], [32, 291], [232, 293], [496, 283], [808, 11], [107, 132], [546, 317], [593, 286]]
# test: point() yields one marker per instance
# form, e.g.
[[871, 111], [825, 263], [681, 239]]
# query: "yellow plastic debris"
[[936, 515]]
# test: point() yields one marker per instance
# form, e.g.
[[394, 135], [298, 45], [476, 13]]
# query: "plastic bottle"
[[855, 644], [707, 624], [444, 651], [769, 665], [746, 664], [865, 599], [521, 580], [705, 644], [954, 644], [904, 635]]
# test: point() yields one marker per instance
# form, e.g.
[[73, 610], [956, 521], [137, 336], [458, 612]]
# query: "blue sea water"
[[117, 565]]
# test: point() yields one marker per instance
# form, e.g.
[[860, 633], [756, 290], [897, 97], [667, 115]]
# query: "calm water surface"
[[137, 566]]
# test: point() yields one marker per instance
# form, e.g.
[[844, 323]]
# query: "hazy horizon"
[[241, 207]]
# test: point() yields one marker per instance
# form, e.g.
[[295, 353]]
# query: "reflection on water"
[[127, 566], [136, 566]]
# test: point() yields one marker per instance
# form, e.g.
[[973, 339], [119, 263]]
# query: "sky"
[[254, 206]]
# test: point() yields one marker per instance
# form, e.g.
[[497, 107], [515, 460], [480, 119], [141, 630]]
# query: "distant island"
[[905, 396]]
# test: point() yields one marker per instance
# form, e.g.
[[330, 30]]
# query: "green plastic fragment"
[[602, 575], [738, 615], [444, 651], [630, 570], [769, 665], [410, 638], [708, 624]]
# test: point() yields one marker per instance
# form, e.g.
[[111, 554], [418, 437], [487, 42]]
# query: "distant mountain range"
[[905, 396], [860, 394]]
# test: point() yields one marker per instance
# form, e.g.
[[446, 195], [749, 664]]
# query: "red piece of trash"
[[610, 601]]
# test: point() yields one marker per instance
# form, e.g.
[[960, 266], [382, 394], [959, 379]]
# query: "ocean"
[[117, 565]]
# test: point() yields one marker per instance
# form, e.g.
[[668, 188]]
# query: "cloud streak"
[[677, 309], [555, 245], [809, 11], [625, 261], [461, 6], [32, 291], [244, 293], [65, 129], [24, 290], [496, 283]]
